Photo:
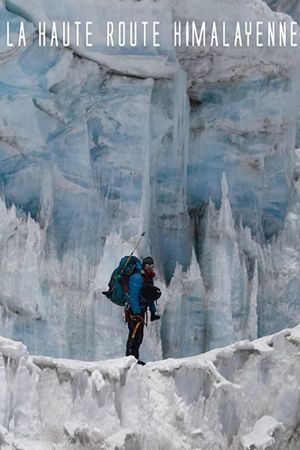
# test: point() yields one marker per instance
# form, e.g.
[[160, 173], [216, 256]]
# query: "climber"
[[148, 270], [142, 294]]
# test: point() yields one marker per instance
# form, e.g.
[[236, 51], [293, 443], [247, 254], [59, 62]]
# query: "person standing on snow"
[[142, 294]]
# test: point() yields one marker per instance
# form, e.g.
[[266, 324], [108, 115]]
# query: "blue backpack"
[[119, 280]]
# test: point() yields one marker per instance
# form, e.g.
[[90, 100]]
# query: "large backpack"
[[119, 280]]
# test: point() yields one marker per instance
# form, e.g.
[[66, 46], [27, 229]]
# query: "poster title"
[[151, 34]]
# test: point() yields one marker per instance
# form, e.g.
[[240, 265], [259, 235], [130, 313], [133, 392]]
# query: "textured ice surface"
[[291, 7], [261, 436], [99, 146], [244, 396], [56, 305]]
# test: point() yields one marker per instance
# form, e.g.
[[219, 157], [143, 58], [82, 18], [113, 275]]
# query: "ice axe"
[[134, 249]]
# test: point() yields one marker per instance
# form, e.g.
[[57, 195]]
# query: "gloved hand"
[[154, 316]]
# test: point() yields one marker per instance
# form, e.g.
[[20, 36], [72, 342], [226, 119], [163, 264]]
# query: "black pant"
[[135, 336]]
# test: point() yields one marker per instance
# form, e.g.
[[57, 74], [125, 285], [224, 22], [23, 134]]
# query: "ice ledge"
[[217, 399], [12, 349], [114, 367]]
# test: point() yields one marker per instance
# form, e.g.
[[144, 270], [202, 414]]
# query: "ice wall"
[[230, 291], [231, 130], [98, 146], [291, 7], [55, 305], [280, 280], [237, 397], [216, 303]]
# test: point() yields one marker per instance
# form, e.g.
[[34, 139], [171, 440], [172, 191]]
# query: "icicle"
[[46, 198], [252, 315], [181, 132], [224, 188], [226, 222], [171, 331]]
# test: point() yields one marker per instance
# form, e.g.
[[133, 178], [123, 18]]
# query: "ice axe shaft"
[[138, 241], [134, 249]]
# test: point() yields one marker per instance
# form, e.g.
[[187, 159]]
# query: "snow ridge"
[[227, 398]]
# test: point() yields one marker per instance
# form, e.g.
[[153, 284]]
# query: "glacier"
[[243, 396], [289, 7], [197, 147]]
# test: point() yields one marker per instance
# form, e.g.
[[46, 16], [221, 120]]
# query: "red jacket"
[[148, 277]]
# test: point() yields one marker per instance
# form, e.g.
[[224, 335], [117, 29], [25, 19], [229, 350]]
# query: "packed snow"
[[197, 149], [244, 396]]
